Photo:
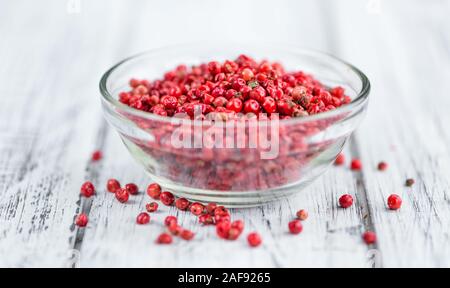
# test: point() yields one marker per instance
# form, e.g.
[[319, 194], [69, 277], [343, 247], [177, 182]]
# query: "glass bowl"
[[296, 150]]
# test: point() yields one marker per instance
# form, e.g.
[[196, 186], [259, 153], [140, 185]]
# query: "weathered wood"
[[56, 55]]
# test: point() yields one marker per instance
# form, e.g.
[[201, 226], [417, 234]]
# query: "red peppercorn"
[[369, 237], [356, 165], [269, 105], [223, 229], [143, 218], [175, 229], [182, 203], [382, 166], [252, 106], [340, 160], [154, 190], [164, 238], [169, 102], [394, 202], [122, 195], [151, 207], [132, 188], [206, 219], [97, 156], [112, 185], [187, 235], [81, 220], [346, 201], [167, 198], [302, 215], [254, 240], [295, 227], [235, 105], [197, 208], [247, 74], [87, 189], [170, 220], [211, 207]]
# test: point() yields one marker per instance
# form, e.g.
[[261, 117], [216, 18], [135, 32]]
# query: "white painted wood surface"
[[52, 55]]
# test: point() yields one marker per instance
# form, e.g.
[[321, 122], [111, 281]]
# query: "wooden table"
[[52, 55]]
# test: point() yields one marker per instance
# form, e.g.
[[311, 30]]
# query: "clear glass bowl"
[[235, 177]]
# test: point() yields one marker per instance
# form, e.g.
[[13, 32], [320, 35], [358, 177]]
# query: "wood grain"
[[50, 122]]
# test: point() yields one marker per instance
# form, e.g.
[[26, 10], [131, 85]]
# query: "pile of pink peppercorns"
[[240, 86]]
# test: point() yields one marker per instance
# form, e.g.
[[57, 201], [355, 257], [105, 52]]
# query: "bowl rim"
[[361, 98]]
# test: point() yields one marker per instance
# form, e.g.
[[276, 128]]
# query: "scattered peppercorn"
[[87, 189], [167, 198], [122, 195], [81, 220], [154, 191], [410, 182], [182, 204], [132, 188], [97, 156], [164, 238], [170, 220], [340, 159], [295, 227], [151, 207], [394, 202], [143, 218], [112, 185], [254, 239], [346, 201], [382, 166], [302, 215], [369, 237], [187, 235], [197, 208], [356, 165]]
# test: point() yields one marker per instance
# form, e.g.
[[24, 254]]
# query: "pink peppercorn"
[[346, 201], [356, 165], [132, 188], [254, 239], [340, 160], [187, 235], [206, 219], [154, 190], [151, 207], [170, 220], [302, 215], [223, 229], [182, 203], [211, 207], [97, 156], [197, 208], [167, 198], [369, 237], [122, 195], [112, 185], [164, 238], [87, 189], [295, 227], [382, 166], [394, 202], [81, 220], [143, 218]]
